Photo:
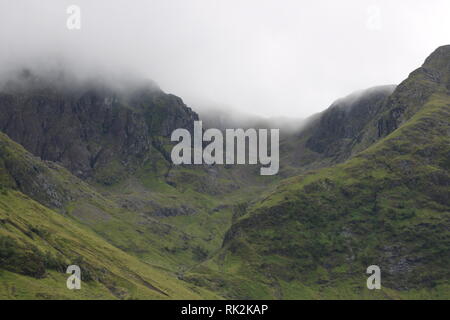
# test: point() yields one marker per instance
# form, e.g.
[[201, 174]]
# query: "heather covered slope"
[[315, 235]]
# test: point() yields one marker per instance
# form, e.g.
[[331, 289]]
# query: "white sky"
[[269, 57]]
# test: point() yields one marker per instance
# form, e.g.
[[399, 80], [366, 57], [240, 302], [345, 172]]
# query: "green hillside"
[[86, 179], [315, 235], [37, 244]]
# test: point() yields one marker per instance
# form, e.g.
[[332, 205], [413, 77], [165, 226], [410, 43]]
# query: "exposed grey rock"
[[88, 127]]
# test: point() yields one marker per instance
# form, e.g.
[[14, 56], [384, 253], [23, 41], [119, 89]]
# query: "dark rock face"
[[415, 90], [175, 211], [338, 128], [87, 127], [43, 181], [354, 123]]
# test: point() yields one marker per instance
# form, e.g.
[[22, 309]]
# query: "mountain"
[[94, 129], [335, 134], [37, 243], [316, 233], [114, 178], [86, 178], [339, 128]]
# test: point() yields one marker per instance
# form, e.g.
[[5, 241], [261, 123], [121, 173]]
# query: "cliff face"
[[354, 123], [339, 127], [334, 135], [86, 128], [415, 90]]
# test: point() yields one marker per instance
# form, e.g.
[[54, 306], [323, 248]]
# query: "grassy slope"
[[37, 244], [278, 247], [195, 205], [316, 234], [124, 216]]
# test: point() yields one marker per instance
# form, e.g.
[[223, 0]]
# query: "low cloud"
[[265, 57]]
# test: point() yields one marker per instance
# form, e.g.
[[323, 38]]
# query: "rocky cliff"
[[339, 127], [89, 126]]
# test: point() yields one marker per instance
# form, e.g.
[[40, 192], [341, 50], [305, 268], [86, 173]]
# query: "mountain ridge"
[[84, 127], [367, 182], [315, 234]]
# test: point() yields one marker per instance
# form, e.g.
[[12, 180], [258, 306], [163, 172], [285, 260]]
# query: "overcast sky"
[[268, 57]]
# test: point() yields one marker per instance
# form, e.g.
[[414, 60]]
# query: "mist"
[[265, 58]]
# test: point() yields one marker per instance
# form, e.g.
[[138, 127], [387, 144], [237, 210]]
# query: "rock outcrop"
[[339, 127], [88, 127]]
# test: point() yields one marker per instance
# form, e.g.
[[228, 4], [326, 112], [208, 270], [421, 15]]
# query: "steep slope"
[[56, 188], [389, 205], [115, 137], [340, 125], [130, 194], [311, 237], [409, 98], [93, 128], [37, 244], [335, 134]]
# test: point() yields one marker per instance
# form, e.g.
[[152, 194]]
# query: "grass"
[[108, 271], [314, 235], [157, 231]]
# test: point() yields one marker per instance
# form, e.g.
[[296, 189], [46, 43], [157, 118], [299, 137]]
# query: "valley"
[[86, 178]]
